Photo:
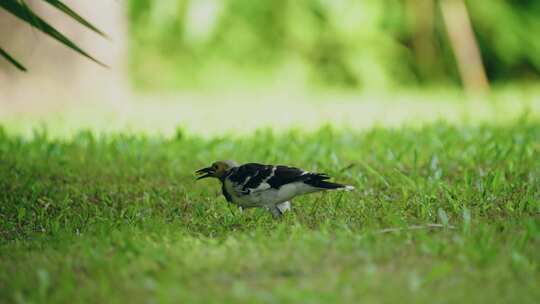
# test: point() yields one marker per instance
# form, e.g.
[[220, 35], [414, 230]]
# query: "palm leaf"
[[23, 12], [11, 60], [68, 11]]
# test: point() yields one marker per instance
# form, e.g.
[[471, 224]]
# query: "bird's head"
[[216, 170]]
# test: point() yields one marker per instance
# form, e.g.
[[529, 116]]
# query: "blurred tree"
[[421, 15], [462, 38]]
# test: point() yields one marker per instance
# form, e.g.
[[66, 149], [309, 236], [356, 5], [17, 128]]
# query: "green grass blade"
[[68, 11], [12, 60], [375, 173], [22, 11]]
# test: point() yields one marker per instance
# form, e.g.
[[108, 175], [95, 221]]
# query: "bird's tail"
[[320, 181], [332, 186]]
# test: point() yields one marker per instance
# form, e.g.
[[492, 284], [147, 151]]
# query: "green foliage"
[[120, 218], [350, 43]]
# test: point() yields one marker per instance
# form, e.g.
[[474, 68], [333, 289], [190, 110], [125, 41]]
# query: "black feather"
[[262, 174]]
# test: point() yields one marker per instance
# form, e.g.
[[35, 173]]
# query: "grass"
[[120, 218]]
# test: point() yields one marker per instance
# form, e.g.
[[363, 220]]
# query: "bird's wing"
[[285, 175], [253, 177], [250, 177], [277, 176]]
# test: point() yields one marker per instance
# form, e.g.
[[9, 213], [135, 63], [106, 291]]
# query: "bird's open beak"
[[206, 172]]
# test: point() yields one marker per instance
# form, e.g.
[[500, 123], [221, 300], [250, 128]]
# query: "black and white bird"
[[267, 186]]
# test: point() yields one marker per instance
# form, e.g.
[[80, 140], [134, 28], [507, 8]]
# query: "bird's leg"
[[283, 207], [276, 213], [278, 210]]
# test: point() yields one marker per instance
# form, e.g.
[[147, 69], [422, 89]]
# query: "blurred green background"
[[343, 43], [431, 109], [352, 63]]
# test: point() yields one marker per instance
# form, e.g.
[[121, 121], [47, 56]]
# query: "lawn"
[[119, 218]]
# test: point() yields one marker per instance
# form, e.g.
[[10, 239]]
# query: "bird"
[[271, 187]]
